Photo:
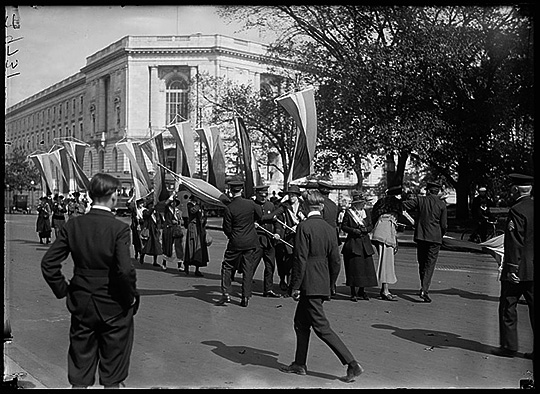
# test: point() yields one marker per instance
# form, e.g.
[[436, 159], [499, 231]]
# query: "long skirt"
[[359, 270], [385, 270]]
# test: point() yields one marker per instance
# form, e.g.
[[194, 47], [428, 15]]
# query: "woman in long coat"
[[43, 223], [385, 215], [196, 248], [136, 209], [153, 222], [357, 250], [172, 233]]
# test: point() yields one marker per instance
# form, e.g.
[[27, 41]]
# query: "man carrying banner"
[[267, 251], [239, 226]]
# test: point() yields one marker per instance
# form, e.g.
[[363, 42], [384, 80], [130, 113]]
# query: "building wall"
[[120, 92]]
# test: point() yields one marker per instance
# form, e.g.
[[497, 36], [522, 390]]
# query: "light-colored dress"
[[384, 238]]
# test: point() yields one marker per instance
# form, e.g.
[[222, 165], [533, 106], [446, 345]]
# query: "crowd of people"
[[297, 232]]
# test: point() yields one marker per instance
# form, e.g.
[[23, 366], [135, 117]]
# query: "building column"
[[101, 108], [154, 98]]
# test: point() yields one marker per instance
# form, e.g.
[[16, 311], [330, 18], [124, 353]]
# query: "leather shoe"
[[224, 299], [271, 294], [353, 371], [529, 356], [504, 352], [294, 368], [354, 299], [425, 297], [244, 302], [364, 296]]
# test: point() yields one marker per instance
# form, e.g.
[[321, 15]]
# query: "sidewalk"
[[14, 373]]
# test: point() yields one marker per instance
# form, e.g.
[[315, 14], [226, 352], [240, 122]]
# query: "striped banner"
[[139, 172], [218, 159], [251, 170], [301, 106], [185, 148], [75, 151], [62, 165], [43, 164]]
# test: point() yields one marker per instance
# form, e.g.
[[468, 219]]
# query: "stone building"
[[132, 88]]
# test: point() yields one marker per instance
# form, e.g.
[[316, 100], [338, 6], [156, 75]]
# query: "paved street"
[[182, 340]]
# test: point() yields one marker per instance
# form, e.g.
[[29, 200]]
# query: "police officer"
[[267, 251], [517, 276], [239, 220]]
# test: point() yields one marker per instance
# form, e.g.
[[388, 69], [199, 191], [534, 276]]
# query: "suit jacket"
[[431, 224], [358, 241], [103, 274], [239, 223], [267, 222], [317, 262], [519, 240]]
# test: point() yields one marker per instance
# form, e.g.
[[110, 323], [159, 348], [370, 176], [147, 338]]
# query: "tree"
[[19, 172]]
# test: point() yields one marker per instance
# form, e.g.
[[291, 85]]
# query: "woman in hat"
[[152, 222], [136, 209], [385, 215], [43, 223], [172, 233], [196, 253], [357, 250], [288, 214]]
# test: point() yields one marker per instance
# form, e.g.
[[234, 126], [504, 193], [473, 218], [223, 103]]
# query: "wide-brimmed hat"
[[324, 185], [358, 197], [293, 189], [394, 190], [432, 184]]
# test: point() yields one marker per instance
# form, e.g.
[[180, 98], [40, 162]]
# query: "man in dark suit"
[[267, 250], [316, 266], [239, 226], [517, 276], [430, 228], [330, 212], [102, 295]]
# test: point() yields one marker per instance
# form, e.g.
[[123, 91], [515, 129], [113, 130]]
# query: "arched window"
[[115, 159], [91, 161], [177, 99], [101, 159]]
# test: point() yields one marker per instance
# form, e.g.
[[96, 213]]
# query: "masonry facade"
[[130, 89]]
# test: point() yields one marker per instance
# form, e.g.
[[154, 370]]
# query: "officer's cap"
[[394, 190], [521, 179]]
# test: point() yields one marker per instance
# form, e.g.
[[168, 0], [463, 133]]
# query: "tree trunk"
[[395, 174], [359, 177]]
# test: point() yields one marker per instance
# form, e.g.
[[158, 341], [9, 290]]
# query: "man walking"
[[517, 276], [102, 295], [239, 226], [266, 251], [316, 266], [430, 228]]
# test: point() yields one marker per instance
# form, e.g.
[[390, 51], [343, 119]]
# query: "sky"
[[53, 42]]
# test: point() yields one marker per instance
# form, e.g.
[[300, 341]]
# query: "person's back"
[[431, 223], [239, 223]]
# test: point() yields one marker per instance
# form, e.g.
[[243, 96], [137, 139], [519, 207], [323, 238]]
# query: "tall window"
[[115, 159], [91, 161], [177, 99], [101, 158]]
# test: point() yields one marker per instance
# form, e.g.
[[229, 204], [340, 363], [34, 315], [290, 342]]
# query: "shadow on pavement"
[[432, 339], [246, 355]]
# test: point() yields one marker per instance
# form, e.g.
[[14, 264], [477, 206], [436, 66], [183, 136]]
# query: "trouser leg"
[[431, 261], [248, 263], [508, 300], [269, 258]]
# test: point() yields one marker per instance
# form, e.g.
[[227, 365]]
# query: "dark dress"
[[358, 252], [196, 253], [43, 223], [152, 221]]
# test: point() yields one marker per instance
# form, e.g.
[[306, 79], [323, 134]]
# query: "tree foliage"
[[19, 172]]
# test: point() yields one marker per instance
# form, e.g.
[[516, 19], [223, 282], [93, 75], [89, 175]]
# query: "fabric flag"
[[251, 172], [43, 164], [62, 164], [218, 159], [158, 159], [139, 172], [185, 148], [493, 246], [201, 189], [75, 152], [301, 106], [205, 135]]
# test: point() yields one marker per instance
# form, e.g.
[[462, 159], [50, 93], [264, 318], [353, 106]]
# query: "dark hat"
[[261, 188], [394, 190], [521, 179], [293, 189], [358, 197], [433, 185], [236, 183], [324, 185], [76, 194], [43, 198]]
